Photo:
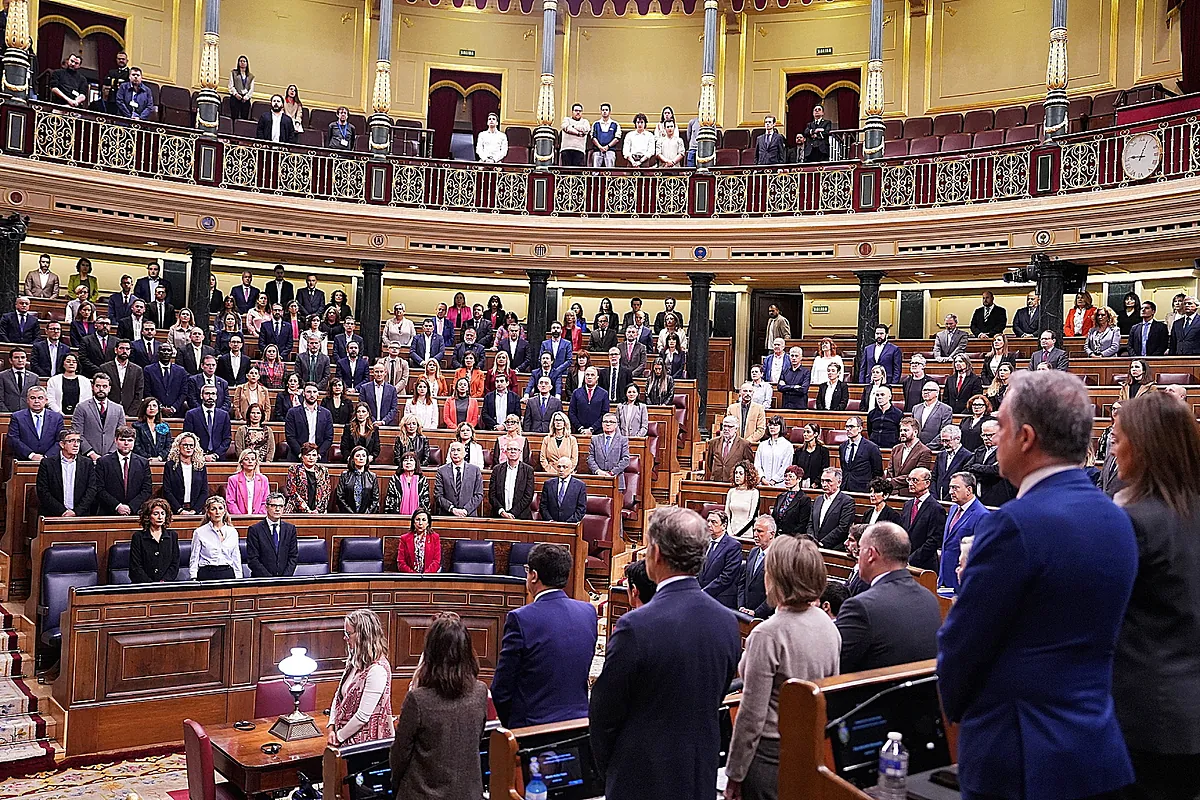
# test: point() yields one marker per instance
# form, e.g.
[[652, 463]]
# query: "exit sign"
[[471, 53], [820, 309], [824, 51]]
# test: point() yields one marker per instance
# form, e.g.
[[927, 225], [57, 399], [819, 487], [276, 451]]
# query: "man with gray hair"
[[964, 515], [751, 416], [932, 415], [952, 458], [1185, 332], [1026, 654], [994, 488], [653, 719], [832, 512], [726, 451], [752, 590], [895, 621]]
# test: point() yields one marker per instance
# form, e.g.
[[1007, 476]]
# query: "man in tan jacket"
[[726, 451], [911, 453], [751, 417]]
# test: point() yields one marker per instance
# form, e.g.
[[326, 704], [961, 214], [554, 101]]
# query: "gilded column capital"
[[16, 32], [381, 97]]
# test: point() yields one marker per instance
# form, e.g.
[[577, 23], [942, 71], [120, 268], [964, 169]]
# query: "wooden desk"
[[237, 756]]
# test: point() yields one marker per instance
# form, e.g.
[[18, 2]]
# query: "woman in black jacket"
[[358, 487], [411, 440], [154, 550], [186, 456], [792, 508], [878, 491], [361, 431], [153, 436], [833, 396]]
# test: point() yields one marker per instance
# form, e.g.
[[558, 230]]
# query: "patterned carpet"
[[152, 778]]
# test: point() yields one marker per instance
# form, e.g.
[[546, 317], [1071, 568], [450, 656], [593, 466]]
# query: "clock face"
[[1142, 156]]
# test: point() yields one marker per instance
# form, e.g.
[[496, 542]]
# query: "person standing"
[[575, 130], [276, 126], [1185, 332], [1155, 686], [547, 650], [510, 491], [216, 551], [271, 547], [459, 485], [882, 353], [605, 133], [816, 137], [770, 149], [66, 483], [778, 326], [361, 710], [41, 282], [341, 133], [241, 89], [123, 481], [1149, 337], [989, 319], [655, 730], [966, 514], [1030, 683], [154, 548]]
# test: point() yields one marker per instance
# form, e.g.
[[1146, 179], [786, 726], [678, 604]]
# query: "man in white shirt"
[[773, 364], [511, 489], [274, 125], [640, 145], [670, 147], [575, 130], [41, 282], [491, 145], [605, 135]]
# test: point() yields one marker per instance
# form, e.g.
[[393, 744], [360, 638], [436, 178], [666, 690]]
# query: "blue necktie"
[[562, 490], [275, 535], [1145, 335]]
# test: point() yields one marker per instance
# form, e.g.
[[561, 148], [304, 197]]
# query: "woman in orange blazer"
[[1084, 313], [475, 376], [461, 407]]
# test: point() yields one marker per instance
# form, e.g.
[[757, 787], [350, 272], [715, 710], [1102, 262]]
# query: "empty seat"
[[258, 108], [956, 141], [519, 136], [64, 567], [515, 155], [944, 124], [728, 157], [185, 561], [737, 139], [631, 494], [1021, 133], [201, 775], [225, 125], [893, 129], [518, 556], [118, 564], [1036, 113], [597, 527], [833, 436], [1010, 117], [179, 117], [755, 133], [1105, 103], [400, 122], [311, 138], [245, 128], [1177, 378], [918, 127], [924, 146], [312, 558], [983, 119], [853, 404], [896, 148], [320, 119], [359, 122], [748, 156], [1077, 113], [361, 555], [362, 144], [473, 558], [175, 97], [988, 139]]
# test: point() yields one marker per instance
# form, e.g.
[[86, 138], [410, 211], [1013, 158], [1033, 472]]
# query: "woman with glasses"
[[362, 705], [185, 476], [307, 486], [980, 410], [512, 436]]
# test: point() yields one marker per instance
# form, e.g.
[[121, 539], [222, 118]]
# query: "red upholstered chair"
[[202, 784], [956, 141], [245, 128], [1010, 117], [680, 402], [225, 125], [981, 120], [708, 508], [1104, 111], [853, 405], [1022, 133], [944, 124], [272, 698], [737, 139], [179, 117], [1036, 114], [918, 127], [311, 138], [728, 157], [1176, 378], [258, 108], [834, 436], [893, 129], [319, 119], [652, 447], [516, 155], [924, 146], [519, 136], [1077, 113], [985, 139], [795, 434], [597, 524], [748, 157], [631, 494], [895, 148]]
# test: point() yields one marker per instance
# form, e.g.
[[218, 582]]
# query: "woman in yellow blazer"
[[559, 442]]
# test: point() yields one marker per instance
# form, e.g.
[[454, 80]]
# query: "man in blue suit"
[[861, 459], [379, 395], [1026, 655], [1185, 333], [167, 381], [210, 424], [426, 345], [883, 353], [564, 498], [277, 332], [47, 355], [20, 326], [775, 362], [207, 377], [547, 650], [546, 369], [271, 547], [558, 347], [308, 422], [33, 431], [721, 574], [589, 404], [653, 716], [341, 342], [965, 514], [353, 368]]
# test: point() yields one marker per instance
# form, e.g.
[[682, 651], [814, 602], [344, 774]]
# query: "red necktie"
[[916, 507], [125, 472], [960, 380], [957, 513]]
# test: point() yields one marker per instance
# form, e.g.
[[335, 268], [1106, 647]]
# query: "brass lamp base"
[[294, 726]]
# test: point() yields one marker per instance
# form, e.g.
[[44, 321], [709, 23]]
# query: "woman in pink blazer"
[[247, 489]]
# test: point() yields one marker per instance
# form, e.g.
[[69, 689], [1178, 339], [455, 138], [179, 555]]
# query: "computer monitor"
[[566, 767], [369, 772], [860, 717]]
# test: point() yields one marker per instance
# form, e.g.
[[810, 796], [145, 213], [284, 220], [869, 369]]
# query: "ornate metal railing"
[[1084, 162]]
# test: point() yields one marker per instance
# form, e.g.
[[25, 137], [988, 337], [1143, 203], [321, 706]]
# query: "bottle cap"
[[894, 735]]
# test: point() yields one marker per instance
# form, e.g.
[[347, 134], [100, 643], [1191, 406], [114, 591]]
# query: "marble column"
[[17, 63], [370, 307], [1050, 291], [868, 315], [13, 229], [698, 332], [1057, 73], [208, 100], [380, 122], [535, 319], [873, 137], [199, 291], [706, 137], [545, 135]]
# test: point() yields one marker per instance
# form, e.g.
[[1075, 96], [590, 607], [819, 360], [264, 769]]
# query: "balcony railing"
[[1080, 163]]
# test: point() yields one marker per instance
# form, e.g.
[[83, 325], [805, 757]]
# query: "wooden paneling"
[[134, 659]]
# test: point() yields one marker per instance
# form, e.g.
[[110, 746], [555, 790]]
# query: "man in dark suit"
[[167, 381], [752, 591], [832, 512], [245, 294], [1049, 353], [770, 147], [191, 357], [1027, 322], [883, 353], [962, 385], [122, 478], [308, 422], [131, 327], [310, 299], [632, 353], [558, 347], [353, 368], [952, 458], [816, 137], [539, 408], [211, 425], [16, 381], [312, 365], [207, 377], [1149, 337], [426, 345], [379, 395], [277, 332], [147, 286], [1030, 683], [510, 492], [721, 574], [144, 349], [33, 431], [924, 519], [547, 650], [994, 488], [602, 337], [160, 309], [234, 365], [725, 452], [660, 319], [516, 347], [589, 404], [655, 729], [895, 621], [564, 498], [965, 514], [989, 319], [271, 547], [341, 342], [120, 304], [794, 381], [498, 405], [48, 353], [66, 483], [280, 290], [20, 326], [128, 383], [614, 378], [545, 368], [459, 485], [1185, 333], [469, 344], [861, 459], [275, 126]]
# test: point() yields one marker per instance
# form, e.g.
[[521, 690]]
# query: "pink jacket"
[[236, 494]]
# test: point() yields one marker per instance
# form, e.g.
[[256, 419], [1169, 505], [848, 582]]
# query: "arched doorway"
[[63, 30], [836, 90], [459, 104]]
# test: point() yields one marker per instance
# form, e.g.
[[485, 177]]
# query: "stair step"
[[18, 698], [13, 641], [25, 728]]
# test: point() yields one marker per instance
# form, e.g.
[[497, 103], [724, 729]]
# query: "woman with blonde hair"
[[798, 641], [180, 334], [501, 366], [412, 440], [246, 490], [512, 436], [1103, 340], [559, 442], [185, 475], [256, 316], [216, 553], [272, 370], [362, 704], [999, 386]]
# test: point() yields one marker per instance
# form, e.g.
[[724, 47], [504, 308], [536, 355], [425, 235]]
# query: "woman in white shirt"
[[399, 329], [826, 354], [422, 406], [762, 390], [466, 435], [774, 454], [59, 388], [216, 555], [741, 501], [313, 331]]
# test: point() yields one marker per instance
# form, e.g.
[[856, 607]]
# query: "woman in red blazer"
[[1082, 310], [419, 540], [461, 407]]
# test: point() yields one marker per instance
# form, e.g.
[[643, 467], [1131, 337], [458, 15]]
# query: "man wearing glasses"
[[861, 459], [726, 451], [66, 483], [924, 519], [271, 548], [833, 511]]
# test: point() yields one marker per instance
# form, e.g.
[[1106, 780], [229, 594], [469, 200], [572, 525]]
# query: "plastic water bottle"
[[536, 788], [893, 770]]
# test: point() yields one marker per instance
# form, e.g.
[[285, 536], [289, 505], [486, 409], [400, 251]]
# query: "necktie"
[[607, 443], [103, 410], [458, 481], [960, 380], [712, 545], [37, 425], [209, 415], [853, 450], [277, 329], [957, 513], [1145, 335], [161, 314], [125, 472], [24, 317], [915, 508], [562, 490], [725, 452], [629, 352], [21, 379]]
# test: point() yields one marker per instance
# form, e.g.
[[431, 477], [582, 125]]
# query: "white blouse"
[[772, 459], [401, 332], [820, 369], [426, 413], [216, 547], [742, 507], [762, 394]]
